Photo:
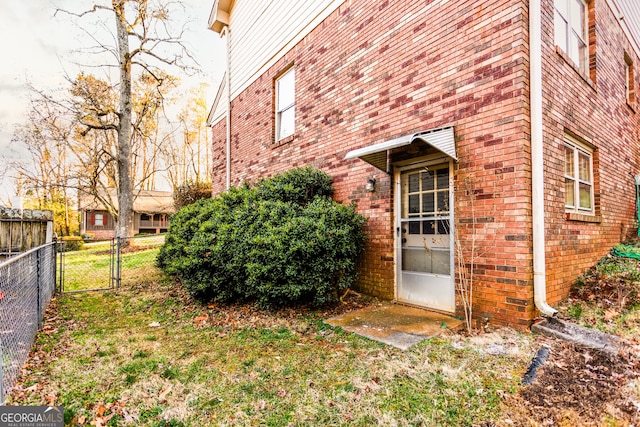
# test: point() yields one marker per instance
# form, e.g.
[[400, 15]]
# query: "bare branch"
[[94, 9]]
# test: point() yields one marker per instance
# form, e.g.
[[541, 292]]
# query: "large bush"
[[72, 243], [191, 192], [282, 241]]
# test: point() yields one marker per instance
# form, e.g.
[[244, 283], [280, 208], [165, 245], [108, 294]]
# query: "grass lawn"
[[149, 356]]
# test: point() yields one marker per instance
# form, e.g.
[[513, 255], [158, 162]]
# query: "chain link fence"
[[27, 284], [135, 260], [109, 264]]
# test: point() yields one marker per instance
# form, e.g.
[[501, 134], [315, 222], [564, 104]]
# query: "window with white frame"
[[578, 177], [98, 220], [570, 29], [285, 104]]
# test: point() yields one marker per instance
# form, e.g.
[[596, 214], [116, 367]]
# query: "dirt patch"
[[579, 387]]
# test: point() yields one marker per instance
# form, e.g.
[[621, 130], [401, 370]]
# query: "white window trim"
[[584, 37], [579, 146], [280, 111], [98, 220]]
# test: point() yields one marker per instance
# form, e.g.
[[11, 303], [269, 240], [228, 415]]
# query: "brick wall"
[[368, 74], [592, 106], [102, 234]]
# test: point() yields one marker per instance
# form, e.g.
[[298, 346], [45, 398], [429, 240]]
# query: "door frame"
[[398, 169]]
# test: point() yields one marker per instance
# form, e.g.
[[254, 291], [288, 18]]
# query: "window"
[[425, 219], [98, 220], [427, 196], [578, 177], [570, 27], [285, 105], [629, 79]]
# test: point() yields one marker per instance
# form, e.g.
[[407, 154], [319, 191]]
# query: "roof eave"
[[219, 16]]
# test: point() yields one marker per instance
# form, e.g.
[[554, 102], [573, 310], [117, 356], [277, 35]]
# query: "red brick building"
[[499, 137], [151, 211]]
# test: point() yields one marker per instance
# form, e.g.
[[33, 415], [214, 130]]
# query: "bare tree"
[[151, 127], [94, 106], [190, 157], [46, 177], [67, 153], [144, 39]]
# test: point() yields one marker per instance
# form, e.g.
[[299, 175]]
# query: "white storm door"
[[424, 237]]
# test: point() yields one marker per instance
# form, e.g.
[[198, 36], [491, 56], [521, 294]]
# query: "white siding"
[[262, 31], [219, 107], [629, 11]]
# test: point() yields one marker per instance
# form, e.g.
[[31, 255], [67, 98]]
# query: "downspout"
[[537, 159], [225, 32]]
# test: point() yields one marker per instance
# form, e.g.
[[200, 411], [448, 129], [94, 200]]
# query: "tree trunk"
[[124, 226]]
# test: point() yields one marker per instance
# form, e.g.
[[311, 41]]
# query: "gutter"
[[537, 160], [225, 32]]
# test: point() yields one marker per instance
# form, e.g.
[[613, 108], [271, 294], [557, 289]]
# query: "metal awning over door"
[[441, 139]]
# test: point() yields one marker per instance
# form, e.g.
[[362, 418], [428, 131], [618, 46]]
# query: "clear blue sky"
[[37, 47]]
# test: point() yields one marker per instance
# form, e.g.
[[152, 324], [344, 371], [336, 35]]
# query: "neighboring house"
[[499, 136], [151, 214]]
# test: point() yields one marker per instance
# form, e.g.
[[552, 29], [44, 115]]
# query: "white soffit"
[[441, 139]]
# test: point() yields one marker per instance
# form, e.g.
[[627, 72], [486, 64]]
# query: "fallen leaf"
[[48, 330], [201, 320], [164, 392], [51, 399], [32, 388], [81, 419], [282, 393], [560, 364], [610, 314], [101, 410]]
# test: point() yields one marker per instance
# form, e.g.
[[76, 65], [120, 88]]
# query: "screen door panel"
[[425, 233]]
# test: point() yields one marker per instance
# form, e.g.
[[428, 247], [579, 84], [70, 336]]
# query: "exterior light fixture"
[[371, 185]]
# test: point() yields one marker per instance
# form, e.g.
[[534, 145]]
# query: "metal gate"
[[91, 269], [107, 265]]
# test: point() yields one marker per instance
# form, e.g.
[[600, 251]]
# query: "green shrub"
[[190, 192], [72, 243], [281, 242], [300, 186], [88, 236]]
